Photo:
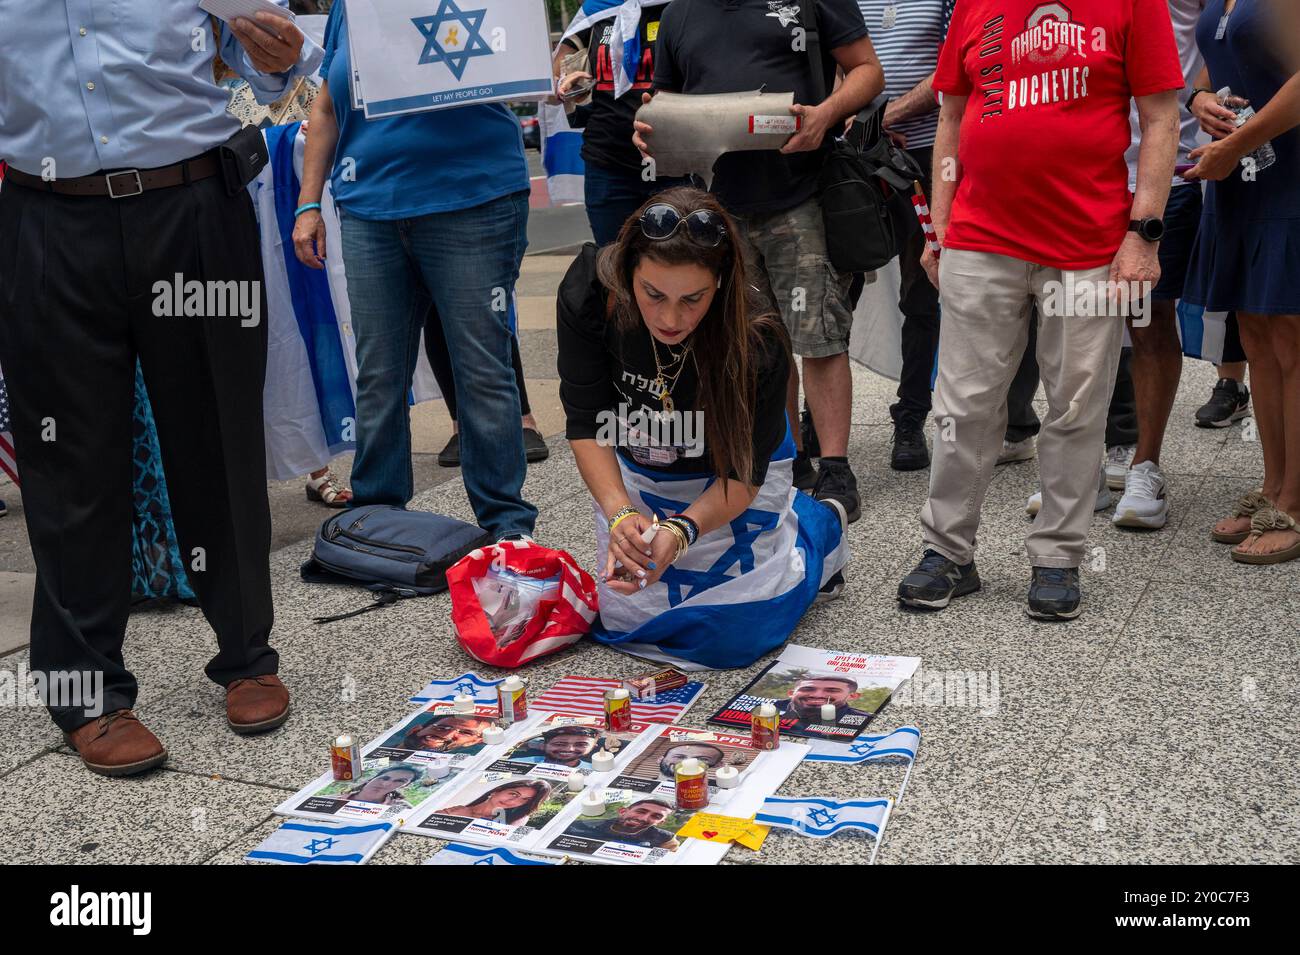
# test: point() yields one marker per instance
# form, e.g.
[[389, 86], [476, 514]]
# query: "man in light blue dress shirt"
[[125, 233]]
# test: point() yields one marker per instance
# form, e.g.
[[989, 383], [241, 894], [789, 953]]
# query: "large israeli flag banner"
[[322, 843], [413, 55], [819, 818], [741, 589], [900, 745], [467, 684]]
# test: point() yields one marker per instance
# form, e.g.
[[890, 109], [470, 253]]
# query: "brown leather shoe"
[[116, 744], [256, 704]]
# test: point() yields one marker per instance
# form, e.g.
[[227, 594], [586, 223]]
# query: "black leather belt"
[[124, 182]]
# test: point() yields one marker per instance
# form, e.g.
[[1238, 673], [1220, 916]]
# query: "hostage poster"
[[802, 681]]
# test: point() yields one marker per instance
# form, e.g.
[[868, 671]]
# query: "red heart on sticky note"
[[709, 835]]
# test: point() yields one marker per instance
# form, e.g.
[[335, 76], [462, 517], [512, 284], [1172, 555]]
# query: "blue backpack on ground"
[[390, 551]]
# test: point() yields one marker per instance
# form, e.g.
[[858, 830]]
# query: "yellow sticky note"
[[712, 827], [652, 31]]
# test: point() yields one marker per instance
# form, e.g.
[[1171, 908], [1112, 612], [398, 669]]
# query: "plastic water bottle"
[[1265, 155]]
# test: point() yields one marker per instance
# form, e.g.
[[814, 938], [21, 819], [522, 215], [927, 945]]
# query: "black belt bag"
[[242, 157], [857, 177]]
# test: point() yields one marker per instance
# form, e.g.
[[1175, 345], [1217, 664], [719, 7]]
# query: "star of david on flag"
[[467, 684], [819, 818], [452, 36], [328, 843], [900, 745]]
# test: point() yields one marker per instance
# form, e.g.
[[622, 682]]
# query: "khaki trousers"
[[986, 301]]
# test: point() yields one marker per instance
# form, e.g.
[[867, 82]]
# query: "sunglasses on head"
[[661, 221]]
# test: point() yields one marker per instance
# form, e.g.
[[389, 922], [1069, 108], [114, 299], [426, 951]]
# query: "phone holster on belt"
[[242, 156]]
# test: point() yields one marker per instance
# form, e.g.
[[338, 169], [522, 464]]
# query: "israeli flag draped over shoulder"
[[739, 591], [562, 145]]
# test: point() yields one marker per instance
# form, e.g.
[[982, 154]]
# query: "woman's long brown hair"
[[727, 343]]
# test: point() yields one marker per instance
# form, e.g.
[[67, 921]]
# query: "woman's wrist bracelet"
[[679, 533], [689, 525], [621, 514], [304, 207]]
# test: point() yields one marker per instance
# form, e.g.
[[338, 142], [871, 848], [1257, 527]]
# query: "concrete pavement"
[[1159, 727]]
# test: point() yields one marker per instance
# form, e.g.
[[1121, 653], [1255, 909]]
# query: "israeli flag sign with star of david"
[[414, 55], [819, 818], [299, 842], [898, 746], [467, 684]]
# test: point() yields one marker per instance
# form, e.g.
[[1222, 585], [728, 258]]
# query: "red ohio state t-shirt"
[[1046, 123]]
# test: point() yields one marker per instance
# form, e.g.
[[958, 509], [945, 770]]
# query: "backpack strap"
[[813, 45]]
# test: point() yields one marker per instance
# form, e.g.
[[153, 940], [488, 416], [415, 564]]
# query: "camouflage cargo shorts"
[[786, 256]]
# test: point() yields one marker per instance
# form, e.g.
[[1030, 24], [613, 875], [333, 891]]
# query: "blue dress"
[[1247, 255]]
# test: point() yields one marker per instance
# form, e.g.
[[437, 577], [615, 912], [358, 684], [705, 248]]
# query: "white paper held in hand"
[[228, 10]]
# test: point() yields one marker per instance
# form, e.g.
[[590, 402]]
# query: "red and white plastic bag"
[[517, 601]]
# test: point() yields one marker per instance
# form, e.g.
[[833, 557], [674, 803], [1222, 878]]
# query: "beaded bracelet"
[[621, 514], [689, 525]]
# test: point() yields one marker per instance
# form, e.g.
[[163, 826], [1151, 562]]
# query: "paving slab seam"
[[49, 750], [219, 777], [1069, 725], [241, 836]]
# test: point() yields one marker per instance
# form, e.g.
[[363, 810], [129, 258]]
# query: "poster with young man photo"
[[802, 683]]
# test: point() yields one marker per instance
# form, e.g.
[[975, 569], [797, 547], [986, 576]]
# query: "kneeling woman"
[[673, 380]]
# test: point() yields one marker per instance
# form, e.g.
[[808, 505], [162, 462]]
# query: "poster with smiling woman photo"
[[496, 808]]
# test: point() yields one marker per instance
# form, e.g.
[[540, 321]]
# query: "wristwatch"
[[1195, 93], [1151, 229]]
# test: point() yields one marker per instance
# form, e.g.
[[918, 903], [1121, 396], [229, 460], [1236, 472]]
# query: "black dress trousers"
[[84, 289]]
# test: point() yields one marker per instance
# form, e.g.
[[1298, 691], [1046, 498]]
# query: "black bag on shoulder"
[[857, 175]]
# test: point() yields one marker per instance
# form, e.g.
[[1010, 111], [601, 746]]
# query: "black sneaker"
[[808, 434], [535, 448], [835, 481], [831, 589], [449, 456], [936, 580], [805, 475], [1054, 593], [909, 452], [1229, 402]]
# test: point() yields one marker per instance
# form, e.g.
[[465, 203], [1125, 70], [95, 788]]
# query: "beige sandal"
[[1264, 520], [1249, 503], [325, 490]]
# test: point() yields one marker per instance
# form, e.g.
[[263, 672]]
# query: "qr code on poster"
[[654, 855]]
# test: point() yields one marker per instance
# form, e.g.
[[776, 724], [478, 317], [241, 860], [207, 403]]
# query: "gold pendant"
[[668, 402]]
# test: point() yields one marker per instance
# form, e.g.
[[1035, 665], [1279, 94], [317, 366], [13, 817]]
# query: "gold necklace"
[[662, 381]]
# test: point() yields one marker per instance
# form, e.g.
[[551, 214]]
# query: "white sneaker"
[[1117, 461], [1144, 503], [1035, 502], [1013, 451]]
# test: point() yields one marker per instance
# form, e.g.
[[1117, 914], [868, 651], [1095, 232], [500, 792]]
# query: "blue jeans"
[[465, 262], [612, 194]]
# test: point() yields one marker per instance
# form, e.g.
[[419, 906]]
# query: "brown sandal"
[[1249, 503], [326, 491], [1264, 520]]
